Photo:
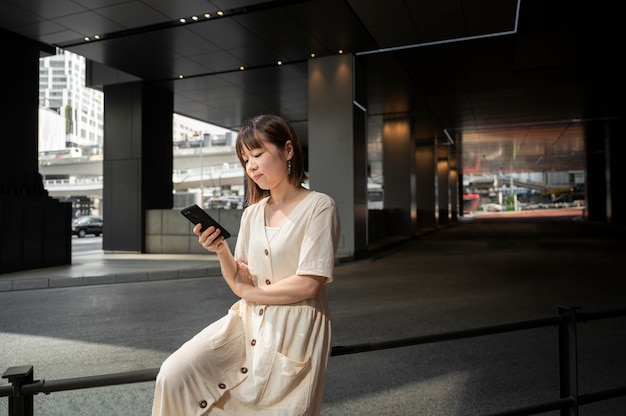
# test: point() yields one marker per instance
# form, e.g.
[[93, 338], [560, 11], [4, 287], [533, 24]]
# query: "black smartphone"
[[197, 215]]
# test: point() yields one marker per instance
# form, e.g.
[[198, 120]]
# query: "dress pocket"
[[288, 385]]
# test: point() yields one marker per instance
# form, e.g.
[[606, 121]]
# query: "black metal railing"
[[22, 387]]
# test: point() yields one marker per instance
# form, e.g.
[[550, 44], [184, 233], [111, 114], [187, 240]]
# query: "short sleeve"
[[243, 237], [321, 239]]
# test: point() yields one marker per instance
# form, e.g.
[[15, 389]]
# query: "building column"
[[595, 181], [454, 184], [399, 177], [138, 161], [337, 144], [35, 229], [616, 174], [443, 185], [425, 164]]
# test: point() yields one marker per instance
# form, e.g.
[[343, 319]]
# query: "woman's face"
[[267, 165]]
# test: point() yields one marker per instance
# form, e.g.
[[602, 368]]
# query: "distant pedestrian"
[[268, 355]]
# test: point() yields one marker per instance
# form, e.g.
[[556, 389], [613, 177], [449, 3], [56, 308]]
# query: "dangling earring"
[[289, 167]]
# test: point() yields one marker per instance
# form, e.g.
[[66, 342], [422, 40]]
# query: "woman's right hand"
[[210, 239]]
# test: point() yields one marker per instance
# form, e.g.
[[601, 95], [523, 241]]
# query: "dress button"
[[260, 311], [266, 252], [244, 370], [253, 342], [267, 282], [203, 404], [222, 386]]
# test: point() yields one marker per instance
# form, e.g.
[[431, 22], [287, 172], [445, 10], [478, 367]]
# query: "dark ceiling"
[[512, 80]]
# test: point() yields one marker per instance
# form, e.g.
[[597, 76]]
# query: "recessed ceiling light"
[[340, 51], [241, 68], [194, 18], [96, 36], [312, 55], [280, 62], [207, 15], [87, 38], [181, 76], [220, 13]]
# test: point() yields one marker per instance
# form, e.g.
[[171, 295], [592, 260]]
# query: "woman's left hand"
[[243, 278]]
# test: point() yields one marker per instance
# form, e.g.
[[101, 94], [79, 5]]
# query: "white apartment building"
[[62, 92]]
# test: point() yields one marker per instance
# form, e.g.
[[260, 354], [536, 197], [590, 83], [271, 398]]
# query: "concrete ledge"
[[99, 280], [215, 271], [61, 282], [163, 275], [27, 284], [131, 277], [184, 273], [67, 282], [58, 281], [6, 286]]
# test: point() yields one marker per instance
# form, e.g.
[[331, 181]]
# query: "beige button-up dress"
[[262, 359]]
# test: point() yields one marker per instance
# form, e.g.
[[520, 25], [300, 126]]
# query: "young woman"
[[268, 355]]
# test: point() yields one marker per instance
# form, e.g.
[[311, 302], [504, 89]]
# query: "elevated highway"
[[193, 168]]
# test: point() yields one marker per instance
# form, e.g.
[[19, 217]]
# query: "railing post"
[[20, 404], [568, 359]]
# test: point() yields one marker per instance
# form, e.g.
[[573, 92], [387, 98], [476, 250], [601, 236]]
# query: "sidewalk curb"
[[127, 277]]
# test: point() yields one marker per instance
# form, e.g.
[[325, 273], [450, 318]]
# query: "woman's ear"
[[289, 149]]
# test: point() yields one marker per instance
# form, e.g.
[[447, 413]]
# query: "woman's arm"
[[212, 241], [291, 289]]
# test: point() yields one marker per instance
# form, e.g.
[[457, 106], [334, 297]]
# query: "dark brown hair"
[[277, 131]]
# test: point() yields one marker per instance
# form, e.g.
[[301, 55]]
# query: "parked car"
[[226, 201], [574, 199], [492, 207], [87, 224]]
